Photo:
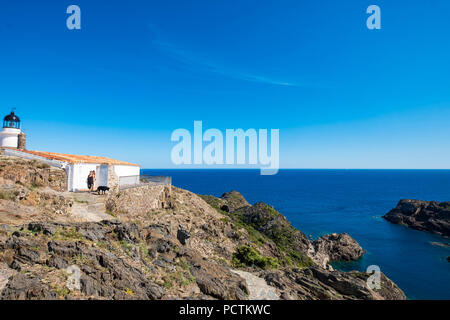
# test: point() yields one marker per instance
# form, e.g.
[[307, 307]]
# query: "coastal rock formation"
[[115, 261], [158, 242], [233, 200], [431, 216], [338, 247], [124, 261], [316, 283], [272, 224], [228, 202], [31, 173]]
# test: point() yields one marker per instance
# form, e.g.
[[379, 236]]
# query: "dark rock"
[[158, 228], [275, 279], [87, 286], [182, 235], [346, 285], [94, 232], [163, 245], [57, 262], [16, 266], [127, 232], [388, 289], [216, 280], [26, 255], [44, 227], [62, 248], [431, 216], [154, 292], [338, 247], [343, 283], [165, 262], [26, 287], [318, 283]]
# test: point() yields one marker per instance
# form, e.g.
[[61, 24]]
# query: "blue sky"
[[342, 96]]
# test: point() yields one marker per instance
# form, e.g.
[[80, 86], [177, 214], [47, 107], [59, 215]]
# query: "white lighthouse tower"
[[11, 131]]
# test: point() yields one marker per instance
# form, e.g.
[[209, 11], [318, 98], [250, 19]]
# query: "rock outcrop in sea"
[[162, 242], [430, 216], [338, 247]]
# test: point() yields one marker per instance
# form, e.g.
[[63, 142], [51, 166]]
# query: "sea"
[[353, 201]]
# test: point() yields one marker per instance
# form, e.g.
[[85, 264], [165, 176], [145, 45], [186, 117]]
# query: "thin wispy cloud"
[[194, 62]]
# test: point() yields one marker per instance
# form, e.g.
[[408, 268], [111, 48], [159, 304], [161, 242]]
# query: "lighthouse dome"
[[11, 121]]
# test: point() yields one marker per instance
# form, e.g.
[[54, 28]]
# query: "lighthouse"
[[11, 135]]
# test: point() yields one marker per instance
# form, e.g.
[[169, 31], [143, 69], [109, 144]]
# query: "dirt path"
[[89, 207], [259, 289]]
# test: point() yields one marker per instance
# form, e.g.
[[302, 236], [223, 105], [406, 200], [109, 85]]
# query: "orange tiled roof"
[[71, 158]]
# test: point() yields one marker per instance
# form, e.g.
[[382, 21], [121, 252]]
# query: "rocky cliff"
[[31, 173], [431, 216], [160, 242]]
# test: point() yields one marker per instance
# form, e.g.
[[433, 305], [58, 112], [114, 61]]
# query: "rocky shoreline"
[[165, 243], [430, 216]]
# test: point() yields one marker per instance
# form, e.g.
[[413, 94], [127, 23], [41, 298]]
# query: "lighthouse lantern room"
[[11, 131]]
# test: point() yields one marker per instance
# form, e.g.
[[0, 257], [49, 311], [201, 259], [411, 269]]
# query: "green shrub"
[[111, 213], [178, 277], [248, 256], [36, 185], [301, 260], [8, 194], [80, 201], [67, 234]]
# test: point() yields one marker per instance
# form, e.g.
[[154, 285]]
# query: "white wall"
[[122, 170], [69, 174], [80, 174], [102, 175], [9, 137], [77, 174]]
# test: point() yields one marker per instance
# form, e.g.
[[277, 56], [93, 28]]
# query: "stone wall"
[[139, 201], [113, 179], [31, 173], [22, 141]]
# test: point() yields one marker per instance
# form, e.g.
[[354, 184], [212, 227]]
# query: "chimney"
[[21, 141]]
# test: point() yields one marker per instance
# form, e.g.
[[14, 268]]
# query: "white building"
[[109, 172], [11, 131]]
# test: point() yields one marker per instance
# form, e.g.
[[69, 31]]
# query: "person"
[[91, 180]]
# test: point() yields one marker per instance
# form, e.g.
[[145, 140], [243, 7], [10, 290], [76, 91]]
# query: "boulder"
[[182, 235], [338, 247]]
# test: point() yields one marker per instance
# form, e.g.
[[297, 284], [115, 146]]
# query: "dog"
[[102, 189]]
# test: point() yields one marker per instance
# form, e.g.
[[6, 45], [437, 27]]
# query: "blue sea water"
[[352, 201]]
